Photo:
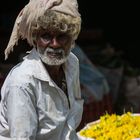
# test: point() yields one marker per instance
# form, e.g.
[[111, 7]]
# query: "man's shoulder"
[[20, 73]]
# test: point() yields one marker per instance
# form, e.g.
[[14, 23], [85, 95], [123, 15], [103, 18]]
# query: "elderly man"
[[41, 98]]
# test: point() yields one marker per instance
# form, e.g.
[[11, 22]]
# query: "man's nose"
[[55, 43]]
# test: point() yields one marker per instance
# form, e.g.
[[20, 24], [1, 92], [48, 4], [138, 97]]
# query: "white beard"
[[57, 56]]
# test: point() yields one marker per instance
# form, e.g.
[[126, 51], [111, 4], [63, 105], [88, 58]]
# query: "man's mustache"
[[55, 50]]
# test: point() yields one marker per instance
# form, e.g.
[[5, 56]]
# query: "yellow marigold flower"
[[114, 127]]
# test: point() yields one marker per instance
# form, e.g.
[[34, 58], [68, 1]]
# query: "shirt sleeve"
[[21, 113]]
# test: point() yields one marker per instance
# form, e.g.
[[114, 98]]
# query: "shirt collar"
[[39, 71]]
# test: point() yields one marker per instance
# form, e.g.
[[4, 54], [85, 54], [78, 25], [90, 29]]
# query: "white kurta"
[[33, 107]]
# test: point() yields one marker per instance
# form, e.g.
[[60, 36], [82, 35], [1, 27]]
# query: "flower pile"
[[114, 127]]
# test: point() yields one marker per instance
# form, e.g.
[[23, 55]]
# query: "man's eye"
[[63, 37], [46, 37]]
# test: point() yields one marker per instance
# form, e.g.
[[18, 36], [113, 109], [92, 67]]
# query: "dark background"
[[119, 23]]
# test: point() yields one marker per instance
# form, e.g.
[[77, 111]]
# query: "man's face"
[[54, 47]]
